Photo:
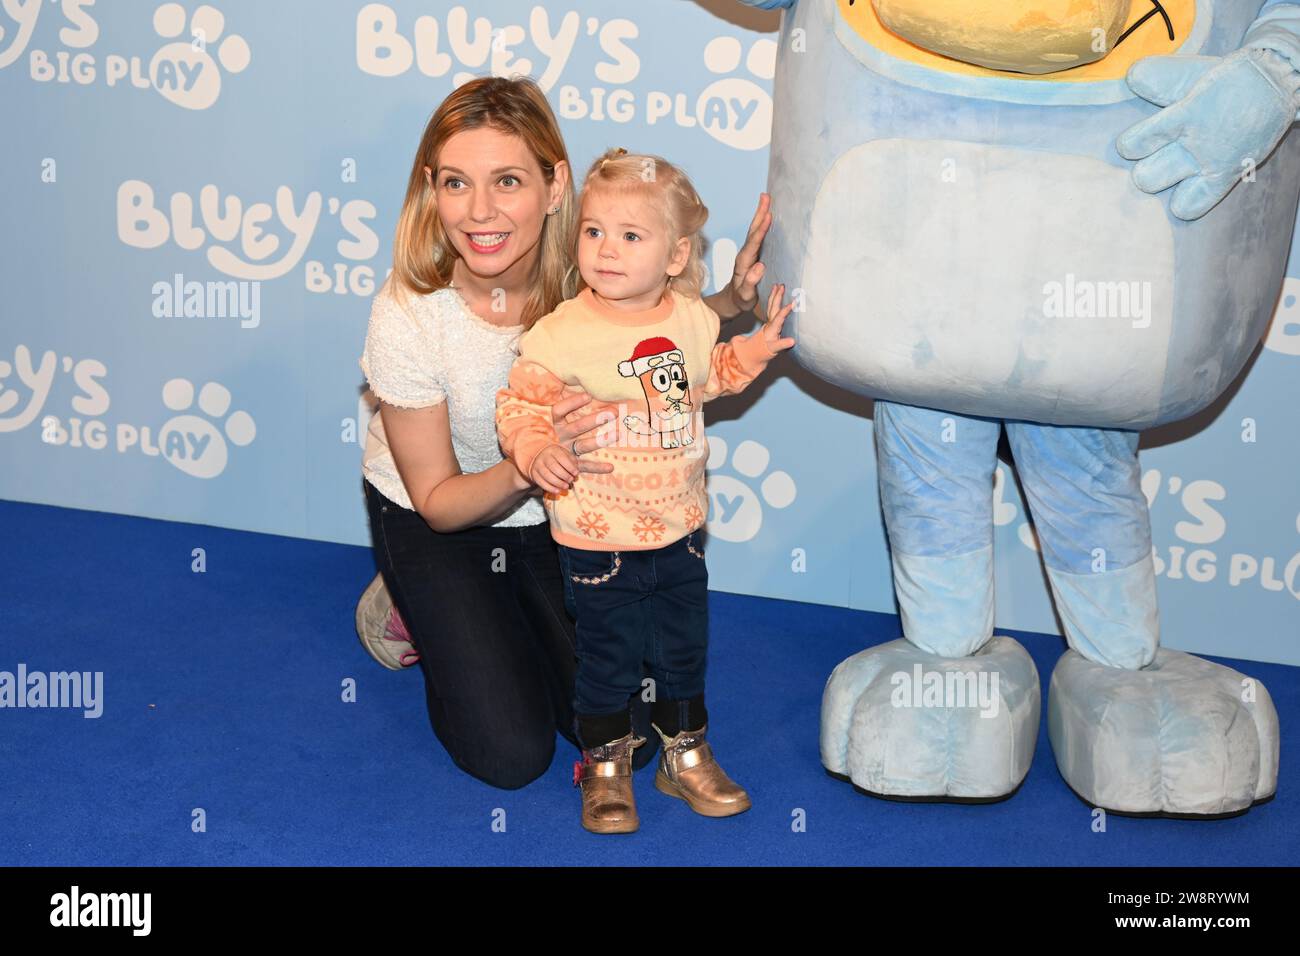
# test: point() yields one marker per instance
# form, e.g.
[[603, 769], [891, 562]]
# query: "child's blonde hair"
[[669, 188], [423, 255]]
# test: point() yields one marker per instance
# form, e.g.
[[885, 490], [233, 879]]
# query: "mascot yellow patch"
[[1060, 40]]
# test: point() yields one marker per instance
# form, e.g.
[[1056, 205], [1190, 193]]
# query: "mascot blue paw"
[[905, 724], [1181, 737], [1221, 116]]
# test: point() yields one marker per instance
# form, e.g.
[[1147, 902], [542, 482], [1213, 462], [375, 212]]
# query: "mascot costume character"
[[1071, 219]]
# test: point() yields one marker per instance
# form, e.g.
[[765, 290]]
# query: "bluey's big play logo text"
[[732, 109], [240, 238], [195, 437], [1192, 546], [192, 54]]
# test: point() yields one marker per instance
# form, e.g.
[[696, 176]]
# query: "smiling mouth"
[[1156, 9], [487, 241]]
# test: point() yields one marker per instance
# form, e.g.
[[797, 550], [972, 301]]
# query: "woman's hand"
[[567, 432], [569, 437]]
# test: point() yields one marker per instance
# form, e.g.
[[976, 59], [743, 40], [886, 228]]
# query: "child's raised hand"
[[776, 316], [554, 469]]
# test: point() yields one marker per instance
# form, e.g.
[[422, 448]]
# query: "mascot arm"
[[1278, 29], [1221, 116]]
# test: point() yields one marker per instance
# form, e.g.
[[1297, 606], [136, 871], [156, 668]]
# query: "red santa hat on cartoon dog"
[[649, 354]]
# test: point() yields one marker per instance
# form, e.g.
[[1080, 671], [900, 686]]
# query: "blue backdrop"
[[199, 202]]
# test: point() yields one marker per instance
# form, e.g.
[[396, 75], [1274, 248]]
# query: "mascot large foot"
[[1182, 737], [904, 724]]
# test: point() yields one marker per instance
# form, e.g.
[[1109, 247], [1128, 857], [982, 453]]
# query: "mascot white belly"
[[972, 241], [1069, 220]]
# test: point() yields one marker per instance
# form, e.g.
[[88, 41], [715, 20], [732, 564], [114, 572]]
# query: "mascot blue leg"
[[949, 712], [1135, 728]]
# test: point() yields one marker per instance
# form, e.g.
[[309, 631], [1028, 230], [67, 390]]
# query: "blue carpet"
[[222, 692]]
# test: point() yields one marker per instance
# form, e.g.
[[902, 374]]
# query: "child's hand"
[[776, 316], [554, 469]]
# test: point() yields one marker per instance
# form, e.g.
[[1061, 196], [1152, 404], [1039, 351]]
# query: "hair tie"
[[616, 152]]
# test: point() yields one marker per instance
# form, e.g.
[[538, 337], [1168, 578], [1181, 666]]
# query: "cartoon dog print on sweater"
[[659, 364]]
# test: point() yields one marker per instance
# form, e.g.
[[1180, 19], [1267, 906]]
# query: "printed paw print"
[[185, 72], [196, 445], [1284, 333], [8, 397], [735, 509], [1005, 512], [736, 110]]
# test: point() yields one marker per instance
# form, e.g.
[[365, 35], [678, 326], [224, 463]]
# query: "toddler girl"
[[636, 337]]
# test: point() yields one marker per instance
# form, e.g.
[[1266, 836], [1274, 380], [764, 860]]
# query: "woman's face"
[[492, 198]]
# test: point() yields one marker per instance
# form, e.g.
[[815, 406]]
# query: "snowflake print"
[[593, 525], [538, 386], [539, 393], [649, 528], [694, 517]]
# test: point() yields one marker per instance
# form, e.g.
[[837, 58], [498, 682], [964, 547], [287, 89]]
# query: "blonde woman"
[[460, 537]]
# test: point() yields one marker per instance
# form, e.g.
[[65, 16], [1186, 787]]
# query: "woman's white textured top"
[[428, 349]]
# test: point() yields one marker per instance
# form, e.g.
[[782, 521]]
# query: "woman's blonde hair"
[[423, 255], [670, 190]]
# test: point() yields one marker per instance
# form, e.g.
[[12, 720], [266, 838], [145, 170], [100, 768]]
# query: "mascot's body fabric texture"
[[975, 251]]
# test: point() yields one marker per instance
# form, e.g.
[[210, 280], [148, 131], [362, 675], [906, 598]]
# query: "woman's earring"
[[553, 210]]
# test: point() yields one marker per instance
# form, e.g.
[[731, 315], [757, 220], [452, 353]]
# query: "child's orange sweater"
[[654, 369]]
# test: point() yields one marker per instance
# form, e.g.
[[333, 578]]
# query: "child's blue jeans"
[[637, 612]]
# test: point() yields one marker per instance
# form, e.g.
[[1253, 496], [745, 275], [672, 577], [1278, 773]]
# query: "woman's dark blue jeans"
[[486, 610], [638, 612]]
